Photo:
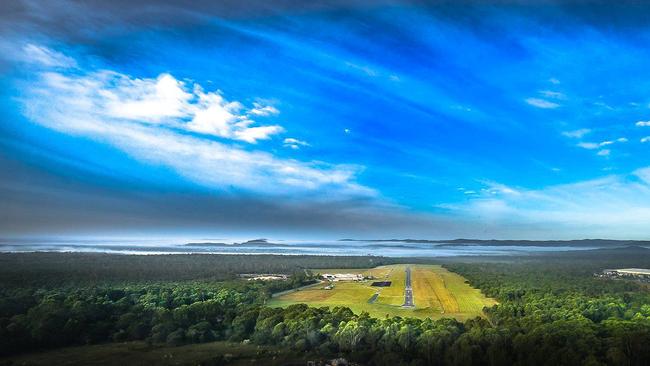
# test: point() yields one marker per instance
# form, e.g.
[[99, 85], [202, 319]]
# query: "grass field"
[[437, 293]]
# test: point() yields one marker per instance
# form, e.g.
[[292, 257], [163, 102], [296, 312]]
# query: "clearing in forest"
[[437, 293]]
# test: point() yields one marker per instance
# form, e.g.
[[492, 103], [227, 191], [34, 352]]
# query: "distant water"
[[337, 248]]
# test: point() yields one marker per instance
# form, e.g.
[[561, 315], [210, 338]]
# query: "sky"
[[293, 119]]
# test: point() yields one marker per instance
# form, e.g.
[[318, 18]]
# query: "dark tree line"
[[46, 269]]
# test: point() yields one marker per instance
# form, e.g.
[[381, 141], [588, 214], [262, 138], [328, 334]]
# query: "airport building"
[[264, 277], [637, 273], [343, 277]]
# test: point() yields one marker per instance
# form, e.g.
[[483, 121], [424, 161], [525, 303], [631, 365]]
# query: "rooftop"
[[634, 271]]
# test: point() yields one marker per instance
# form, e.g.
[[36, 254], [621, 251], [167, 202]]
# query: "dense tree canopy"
[[551, 311]]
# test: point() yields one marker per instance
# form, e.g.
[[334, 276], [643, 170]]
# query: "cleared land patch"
[[437, 293], [439, 297]]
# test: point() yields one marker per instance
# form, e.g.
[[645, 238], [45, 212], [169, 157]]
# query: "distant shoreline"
[[510, 242]]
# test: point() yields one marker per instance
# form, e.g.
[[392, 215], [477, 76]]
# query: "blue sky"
[[326, 121]]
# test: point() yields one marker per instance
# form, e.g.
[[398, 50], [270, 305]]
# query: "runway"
[[408, 291]]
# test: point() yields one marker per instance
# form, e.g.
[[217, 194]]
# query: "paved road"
[[408, 291], [373, 298]]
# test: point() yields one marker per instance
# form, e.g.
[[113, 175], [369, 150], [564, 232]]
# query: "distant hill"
[[599, 243], [207, 244], [614, 257], [251, 243], [631, 249]]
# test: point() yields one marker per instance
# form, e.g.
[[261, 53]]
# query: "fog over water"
[[282, 247]]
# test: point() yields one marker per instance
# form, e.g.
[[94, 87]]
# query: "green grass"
[[437, 293], [139, 353]]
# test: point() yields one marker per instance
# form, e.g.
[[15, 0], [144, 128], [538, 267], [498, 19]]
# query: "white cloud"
[[166, 100], [113, 108], [263, 110], [554, 81], [576, 133], [252, 134], [615, 206], [596, 145], [588, 145], [643, 124], [541, 103], [604, 152], [553, 94], [497, 188], [44, 56], [645, 139], [294, 143], [159, 100], [643, 174]]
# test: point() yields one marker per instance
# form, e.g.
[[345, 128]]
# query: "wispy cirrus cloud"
[[553, 94], [293, 143], [601, 145], [263, 110], [579, 133], [542, 103], [588, 145], [46, 57], [614, 206], [364, 69], [164, 121], [611, 142], [643, 124]]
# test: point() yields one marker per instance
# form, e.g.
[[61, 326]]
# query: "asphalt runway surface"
[[408, 291]]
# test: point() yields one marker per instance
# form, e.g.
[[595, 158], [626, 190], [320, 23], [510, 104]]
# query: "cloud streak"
[[576, 133], [612, 206], [44, 56], [542, 103], [600, 145]]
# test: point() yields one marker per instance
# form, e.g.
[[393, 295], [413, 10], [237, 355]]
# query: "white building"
[[264, 277], [628, 272], [342, 277]]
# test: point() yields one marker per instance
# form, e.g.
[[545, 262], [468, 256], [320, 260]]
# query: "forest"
[[552, 309], [53, 269]]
